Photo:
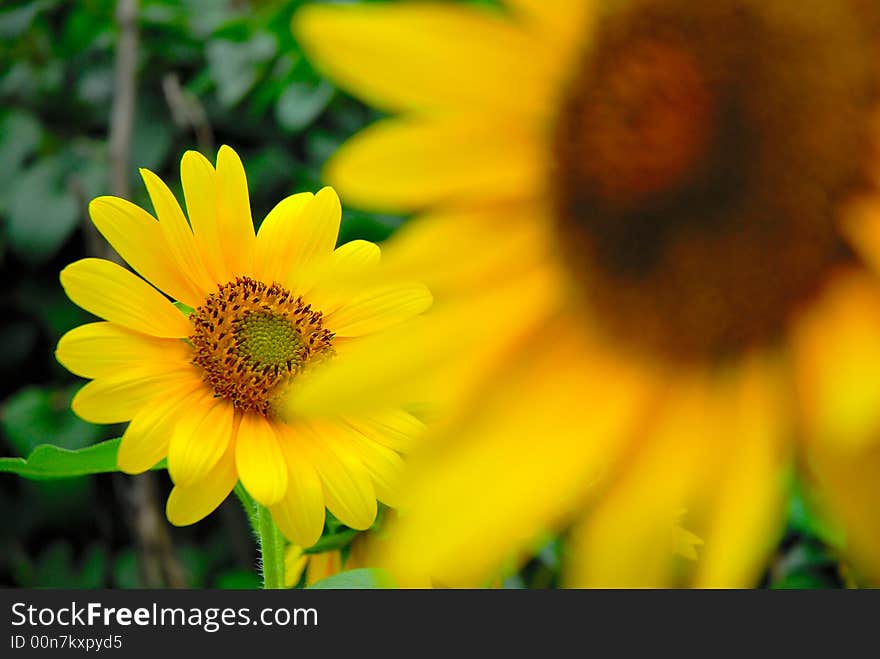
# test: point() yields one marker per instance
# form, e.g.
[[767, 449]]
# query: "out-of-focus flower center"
[[702, 154], [249, 338]]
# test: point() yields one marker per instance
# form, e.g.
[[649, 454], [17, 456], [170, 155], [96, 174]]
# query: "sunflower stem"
[[271, 549]]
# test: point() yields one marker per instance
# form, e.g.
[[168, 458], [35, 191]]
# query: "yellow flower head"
[[267, 309], [666, 216]]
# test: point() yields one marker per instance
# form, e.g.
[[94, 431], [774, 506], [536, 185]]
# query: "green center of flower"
[[250, 338], [268, 339], [703, 154]]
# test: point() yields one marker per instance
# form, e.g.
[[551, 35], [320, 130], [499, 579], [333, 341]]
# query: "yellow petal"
[[379, 309], [356, 255], [630, 538], [850, 490], [746, 512], [315, 233], [200, 191], [295, 562], [566, 24], [235, 224], [188, 505], [118, 398], [330, 283], [137, 237], [437, 356], [98, 350], [415, 163], [110, 291], [414, 55], [259, 460], [517, 464], [491, 246], [199, 441], [348, 490], [179, 239], [322, 565], [384, 465], [278, 237], [717, 450], [837, 353], [397, 429], [147, 437], [300, 514]]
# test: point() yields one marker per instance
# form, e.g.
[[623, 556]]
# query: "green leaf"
[[360, 579], [332, 542], [300, 104], [47, 462], [235, 66], [42, 211]]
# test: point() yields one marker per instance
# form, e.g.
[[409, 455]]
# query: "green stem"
[[271, 549]]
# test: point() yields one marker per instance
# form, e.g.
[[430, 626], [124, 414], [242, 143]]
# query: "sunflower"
[[255, 314], [663, 292]]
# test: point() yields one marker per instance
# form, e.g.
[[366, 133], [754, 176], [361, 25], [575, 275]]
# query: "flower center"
[[250, 338], [702, 153]]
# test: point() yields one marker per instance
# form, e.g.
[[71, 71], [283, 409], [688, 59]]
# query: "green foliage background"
[[209, 72]]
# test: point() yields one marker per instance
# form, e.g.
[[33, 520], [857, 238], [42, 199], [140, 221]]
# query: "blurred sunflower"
[[666, 228], [264, 310]]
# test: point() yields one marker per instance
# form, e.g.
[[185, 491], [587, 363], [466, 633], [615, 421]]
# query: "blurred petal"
[[850, 489], [396, 429], [746, 514], [111, 292], [837, 357], [379, 309], [631, 537], [412, 56], [437, 356], [491, 246], [568, 24], [529, 433], [415, 163]]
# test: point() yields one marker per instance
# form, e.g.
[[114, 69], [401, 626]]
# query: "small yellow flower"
[[267, 309], [666, 221]]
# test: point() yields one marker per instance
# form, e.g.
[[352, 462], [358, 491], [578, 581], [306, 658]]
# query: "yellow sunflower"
[[666, 232], [257, 312]]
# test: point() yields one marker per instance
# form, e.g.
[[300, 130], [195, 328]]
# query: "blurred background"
[[89, 92]]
